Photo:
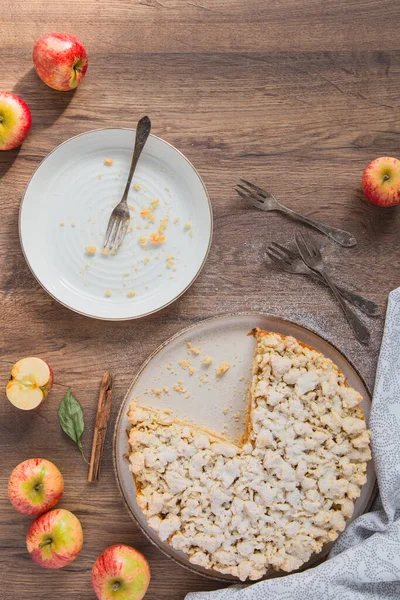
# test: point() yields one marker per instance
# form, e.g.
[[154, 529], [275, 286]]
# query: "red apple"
[[55, 539], [381, 181], [30, 382], [15, 120], [60, 60], [35, 485], [120, 573]]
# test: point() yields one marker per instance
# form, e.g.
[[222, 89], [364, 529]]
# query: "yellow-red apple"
[[120, 573], [30, 382], [381, 181], [35, 485], [60, 60], [55, 539], [15, 120]]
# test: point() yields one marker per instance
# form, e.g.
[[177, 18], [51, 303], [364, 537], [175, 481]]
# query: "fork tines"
[[283, 257], [277, 257], [116, 229], [250, 191], [278, 260], [283, 250], [307, 245], [253, 187]]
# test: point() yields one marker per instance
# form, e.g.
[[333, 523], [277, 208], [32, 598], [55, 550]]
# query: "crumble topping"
[[195, 350], [179, 387], [156, 238], [223, 368], [207, 360]]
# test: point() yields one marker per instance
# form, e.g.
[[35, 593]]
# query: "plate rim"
[[141, 316], [183, 332]]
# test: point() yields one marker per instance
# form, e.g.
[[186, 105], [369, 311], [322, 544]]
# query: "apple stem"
[[1, 119], [386, 177], [115, 586], [46, 543], [38, 487], [78, 69]]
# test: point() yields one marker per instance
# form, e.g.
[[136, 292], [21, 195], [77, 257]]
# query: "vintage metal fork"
[[120, 218], [290, 261], [312, 256], [264, 200]]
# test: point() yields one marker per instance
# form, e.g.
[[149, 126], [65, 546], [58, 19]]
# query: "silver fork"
[[290, 261], [264, 200], [312, 256], [120, 217]]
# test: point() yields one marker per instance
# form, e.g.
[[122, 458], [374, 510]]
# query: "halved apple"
[[30, 382]]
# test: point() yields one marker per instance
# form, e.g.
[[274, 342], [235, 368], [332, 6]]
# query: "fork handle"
[[368, 307], [361, 332], [143, 129], [344, 238]]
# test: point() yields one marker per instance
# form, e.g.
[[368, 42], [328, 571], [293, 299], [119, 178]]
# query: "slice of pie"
[[281, 494]]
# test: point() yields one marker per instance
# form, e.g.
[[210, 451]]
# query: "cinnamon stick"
[[100, 430]]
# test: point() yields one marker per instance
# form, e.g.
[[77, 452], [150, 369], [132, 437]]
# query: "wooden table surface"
[[297, 96]]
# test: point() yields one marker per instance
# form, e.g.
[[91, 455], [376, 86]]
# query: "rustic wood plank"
[[296, 96]]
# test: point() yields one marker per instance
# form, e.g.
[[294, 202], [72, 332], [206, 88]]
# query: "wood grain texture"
[[297, 96]]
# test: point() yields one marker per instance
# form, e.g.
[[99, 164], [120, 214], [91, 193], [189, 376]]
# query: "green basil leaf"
[[70, 417]]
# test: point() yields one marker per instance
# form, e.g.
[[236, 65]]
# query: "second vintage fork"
[[264, 200], [290, 260], [120, 217], [312, 256]]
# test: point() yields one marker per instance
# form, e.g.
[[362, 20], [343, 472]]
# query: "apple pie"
[[274, 499]]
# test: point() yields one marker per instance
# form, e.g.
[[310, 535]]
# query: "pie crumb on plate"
[[223, 368]]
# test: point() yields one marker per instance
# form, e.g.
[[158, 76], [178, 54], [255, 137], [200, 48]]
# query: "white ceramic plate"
[[67, 205], [224, 338]]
